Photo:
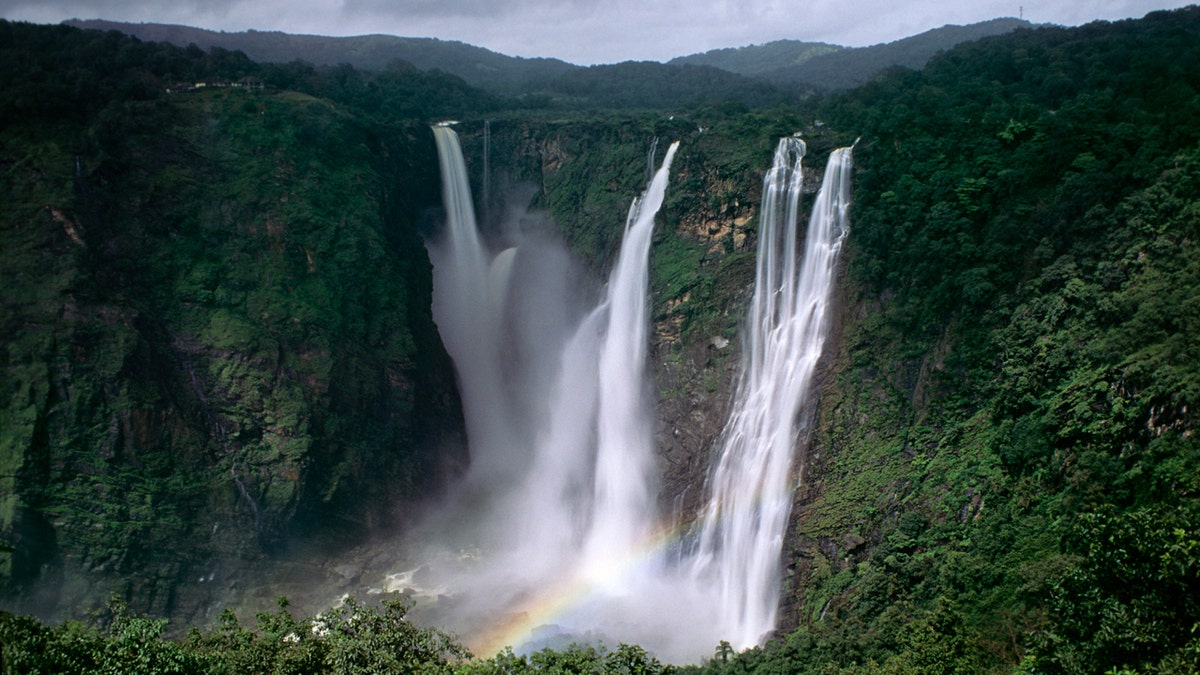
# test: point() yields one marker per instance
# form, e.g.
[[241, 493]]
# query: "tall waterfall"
[[558, 510], [590, 497], [471, 290], [751, 489], [561, 487]]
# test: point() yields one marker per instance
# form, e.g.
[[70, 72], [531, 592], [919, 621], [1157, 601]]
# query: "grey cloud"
[[112, 8], [479, 9], [587, 31]]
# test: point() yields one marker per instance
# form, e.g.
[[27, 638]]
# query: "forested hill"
[[1001, 476], [478, 66], [754, 76], [789, 62], [826, 66], [758, 60], [352, 69], [852, 67], [1005, 472], [215, 318]]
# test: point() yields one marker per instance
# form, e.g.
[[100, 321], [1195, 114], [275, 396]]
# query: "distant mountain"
[[832, 67], [479, 67], [757, 60], [618, 86], [848, 68], [789, 64], [649, 84]]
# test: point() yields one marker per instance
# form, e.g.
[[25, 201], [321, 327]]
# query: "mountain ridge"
[[758, 59], [478, 66], [813, 64], [1001, 473], [832, 67]]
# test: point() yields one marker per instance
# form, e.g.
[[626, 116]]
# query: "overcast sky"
[[590, 31]]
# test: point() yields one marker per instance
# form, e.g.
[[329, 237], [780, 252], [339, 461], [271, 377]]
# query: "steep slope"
[[1004, 467], [217, 339]]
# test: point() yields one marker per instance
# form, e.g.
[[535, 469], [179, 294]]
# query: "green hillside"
[[853, 67], [480, 67], [758, 60], [216, 322], [217, 341], [1005, 472], [833, 67]]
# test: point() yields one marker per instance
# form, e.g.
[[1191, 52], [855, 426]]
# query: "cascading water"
[[625, 475], [751, 494], [562, 483], [589, 499], [650, 155], [468, 307], [561, 491]]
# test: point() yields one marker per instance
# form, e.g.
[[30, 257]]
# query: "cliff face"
[[217, 342], [584, 174], [1004, 428], [220, 345]]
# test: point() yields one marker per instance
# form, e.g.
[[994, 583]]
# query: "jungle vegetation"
[[1003, 476]]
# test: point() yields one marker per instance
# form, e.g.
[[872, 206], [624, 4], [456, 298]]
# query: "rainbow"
[[557, 600]]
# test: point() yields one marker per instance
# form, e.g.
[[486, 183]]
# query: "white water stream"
[[555, 533], [751, 486]]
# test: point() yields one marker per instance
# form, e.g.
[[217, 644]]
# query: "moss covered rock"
[[217, 338]]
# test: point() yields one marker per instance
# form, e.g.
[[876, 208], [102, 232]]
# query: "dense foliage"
[[215, 317], [1003, 475], [482, 68], [1008, 472], [351, 638], [59, 72], [649, 85]]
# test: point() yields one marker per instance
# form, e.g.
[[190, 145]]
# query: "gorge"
[[562, 488], [227, 377]]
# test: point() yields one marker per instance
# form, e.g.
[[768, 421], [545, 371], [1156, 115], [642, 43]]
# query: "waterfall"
[[625, 504], [560, 498], [590, 496], [471, 289], [650, 160], [561, 487], [751, 491]]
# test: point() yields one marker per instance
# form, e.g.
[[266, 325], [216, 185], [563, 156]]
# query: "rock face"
[[217, 343], [221, 346], [702, 259]]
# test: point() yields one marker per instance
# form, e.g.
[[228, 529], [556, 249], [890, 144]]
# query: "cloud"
[[589, 31], [475, 9], [57, 10]]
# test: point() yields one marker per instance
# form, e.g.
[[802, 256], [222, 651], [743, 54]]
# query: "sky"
[[588, 32]]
